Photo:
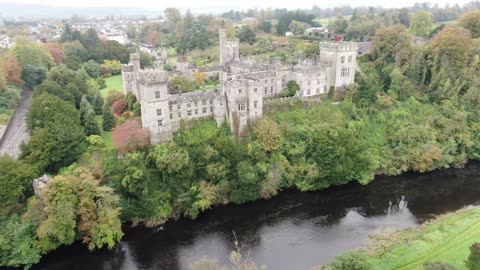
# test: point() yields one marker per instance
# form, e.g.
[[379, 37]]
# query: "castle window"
[[266, 81], [325, 89], [271, 89], [318, 81], [160, 123], [204, 110], [179, 115], [204, 102], [211, 109], [308, 92], [159, 112], [318, 90], [171, 116], [272, 80], [157, 94], [309, 83], [255, 104], [349, 59], [342, 59], [189, 112], [211, 101], [239, 91], [266, 90], [196, 103], [170, 107], [178, 106], [255, 90], [196, 111], [189, 105], [221, 103], [241, 107]]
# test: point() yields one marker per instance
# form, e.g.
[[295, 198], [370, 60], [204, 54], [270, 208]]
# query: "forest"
[[414, 108]]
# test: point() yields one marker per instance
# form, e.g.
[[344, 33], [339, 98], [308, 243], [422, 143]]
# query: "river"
[[291, 231]]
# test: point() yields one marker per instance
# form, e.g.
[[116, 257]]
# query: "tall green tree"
[[421, 23], [471, 22]]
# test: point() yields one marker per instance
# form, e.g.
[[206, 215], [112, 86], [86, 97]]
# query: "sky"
[[225, 4]]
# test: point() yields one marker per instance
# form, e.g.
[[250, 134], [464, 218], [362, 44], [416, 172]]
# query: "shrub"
[[351, 261], [473, 261], [438, 266]]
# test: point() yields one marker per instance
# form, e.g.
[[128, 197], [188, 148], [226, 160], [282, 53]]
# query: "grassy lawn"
[[445, 239], [436, 24], [114, 82], [106, 135]]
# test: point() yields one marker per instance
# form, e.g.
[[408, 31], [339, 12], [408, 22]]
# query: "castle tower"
[[340, 59], [229, 48], [130, 75], [154, 100]]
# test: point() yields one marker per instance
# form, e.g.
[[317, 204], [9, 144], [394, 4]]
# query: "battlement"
[[152, 76], [128, 68], [338, 46]]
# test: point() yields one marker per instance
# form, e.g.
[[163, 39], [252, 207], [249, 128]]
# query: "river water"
[[292, 231]]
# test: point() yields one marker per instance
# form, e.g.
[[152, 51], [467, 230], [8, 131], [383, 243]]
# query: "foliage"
[[31, 53], [15, 182], [421, 24], [114, 66], [267, 134], [33, 75], [473, 261], [471, 22], [108, 118], [92, 68], [297, 27], [437, 266], [350, 261], [180, 84], [246, 34]]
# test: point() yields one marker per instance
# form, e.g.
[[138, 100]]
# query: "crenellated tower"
[[340, 61], [229, 48]]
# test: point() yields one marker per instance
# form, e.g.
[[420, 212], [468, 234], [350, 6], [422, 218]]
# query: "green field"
[[446, 239], [436, 24], [326, 21], [114, 82]]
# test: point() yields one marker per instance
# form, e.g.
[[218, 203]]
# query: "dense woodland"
[[413, 108]]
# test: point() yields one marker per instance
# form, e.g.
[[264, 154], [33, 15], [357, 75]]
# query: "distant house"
[[364, 48], [288, 34], [5, 42]]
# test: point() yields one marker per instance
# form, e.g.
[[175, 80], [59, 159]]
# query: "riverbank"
[[445, 239]]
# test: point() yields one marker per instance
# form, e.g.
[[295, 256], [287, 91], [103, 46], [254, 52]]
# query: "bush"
[[351, 261], [473, 261]]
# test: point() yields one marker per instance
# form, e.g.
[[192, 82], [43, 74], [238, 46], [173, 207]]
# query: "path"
[[16, 131]]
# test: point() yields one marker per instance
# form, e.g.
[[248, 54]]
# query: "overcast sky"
[[226, 4]]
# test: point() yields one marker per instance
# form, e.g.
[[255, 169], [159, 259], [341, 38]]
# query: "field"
[[326, 21], [114, 82], [436, 24], [446, 239]]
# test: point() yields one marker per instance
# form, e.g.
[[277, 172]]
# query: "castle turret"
[[340, 60], [229, 48]]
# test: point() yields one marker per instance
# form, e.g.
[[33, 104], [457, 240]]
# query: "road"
[[17, 130]]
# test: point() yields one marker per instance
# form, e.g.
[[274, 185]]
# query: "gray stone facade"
[[243, 87]]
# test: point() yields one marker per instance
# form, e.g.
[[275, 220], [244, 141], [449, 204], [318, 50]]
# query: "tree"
[[61, 74], [267, 134], [114, 66], [97, 103], [292, 88], [55, 89], [471, 22], [30, 53], [56, 51], [12, 70], [92, 68], [473, 260], [247, 34], [421, 24], [391, 44], [297, 27], [266, 26], [180, 84], [15, 182], [351, 261], [33, 75], [340, 24], [199, 77], [281, 28], [108, 118], [57, 137]]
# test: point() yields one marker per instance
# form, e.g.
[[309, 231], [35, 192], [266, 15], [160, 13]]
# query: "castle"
[[244, 85]]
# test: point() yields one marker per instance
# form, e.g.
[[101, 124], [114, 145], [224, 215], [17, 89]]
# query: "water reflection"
[[292, 231]]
